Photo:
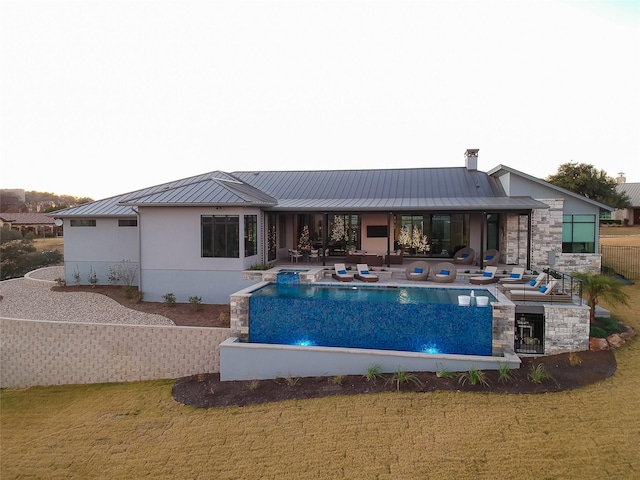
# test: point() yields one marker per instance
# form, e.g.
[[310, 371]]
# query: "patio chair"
[[417, 270], [341, 273], [488, 276], [515, 276], [532, 285], [294, 255], [444, 272], [464, 256], [546, 293], [491, 257], [313, 256], [364, 275]]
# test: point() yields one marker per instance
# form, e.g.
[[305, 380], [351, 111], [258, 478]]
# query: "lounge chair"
[[444, 272], [491, 257], [546, 293], [515, 276], [341, 273], [364, 275], [417, 270], [488, 276], [532, 285], [464, 256]]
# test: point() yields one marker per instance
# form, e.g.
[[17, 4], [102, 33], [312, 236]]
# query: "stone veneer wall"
[[503, 328], [579, 262], [514, 234], [546, 234], [566, 328], [239, 316], [58, 353]]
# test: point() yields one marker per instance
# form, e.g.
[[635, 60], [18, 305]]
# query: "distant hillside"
[[20, 201]]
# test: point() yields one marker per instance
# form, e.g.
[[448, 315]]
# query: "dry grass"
[[136, 429], [56, 243]]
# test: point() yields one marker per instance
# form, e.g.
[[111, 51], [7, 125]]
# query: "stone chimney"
[[621, 178], [471, 159]]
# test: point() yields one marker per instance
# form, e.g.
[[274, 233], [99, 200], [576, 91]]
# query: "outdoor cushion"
[[543, 289], [489, 257], [464, 255], [417, 270], [444, 272], [342, 272], [532, 283], [515, 275], [365, 272], [486, 274]]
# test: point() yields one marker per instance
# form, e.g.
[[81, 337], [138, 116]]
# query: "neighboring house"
[[195, 236], [631, 215], [39, 224]]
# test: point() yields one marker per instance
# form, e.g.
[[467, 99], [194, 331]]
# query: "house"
[[630, 215], [195, 236], [39, 224]]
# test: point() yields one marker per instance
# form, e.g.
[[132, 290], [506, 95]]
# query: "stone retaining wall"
[[59, 353]]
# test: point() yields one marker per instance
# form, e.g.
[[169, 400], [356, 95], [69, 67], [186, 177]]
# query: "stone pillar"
[[546, 232], [503, 328]]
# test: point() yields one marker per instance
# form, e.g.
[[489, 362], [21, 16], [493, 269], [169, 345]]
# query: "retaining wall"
[[57, 353]]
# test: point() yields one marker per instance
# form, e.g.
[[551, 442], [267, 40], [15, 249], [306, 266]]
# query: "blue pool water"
[[407, 319]]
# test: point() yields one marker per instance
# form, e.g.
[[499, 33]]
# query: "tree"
[[590, 182], [596, 286]]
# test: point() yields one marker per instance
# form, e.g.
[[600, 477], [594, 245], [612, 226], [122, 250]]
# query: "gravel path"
[[25, 299]]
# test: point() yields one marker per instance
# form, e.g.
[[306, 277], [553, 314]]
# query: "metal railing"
[[621, 260], [568, 284]]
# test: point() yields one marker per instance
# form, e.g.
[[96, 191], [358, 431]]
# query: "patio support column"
[[325, 235], [389, 239], [529, 217], [483, 220]]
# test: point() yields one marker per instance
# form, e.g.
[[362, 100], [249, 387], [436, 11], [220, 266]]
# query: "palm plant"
[[598, 286]]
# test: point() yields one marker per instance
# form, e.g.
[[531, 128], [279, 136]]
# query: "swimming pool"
[[409, 319]]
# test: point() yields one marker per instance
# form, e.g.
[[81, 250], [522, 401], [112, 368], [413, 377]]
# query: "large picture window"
[[220, 236], [250, 235], [578, 233]]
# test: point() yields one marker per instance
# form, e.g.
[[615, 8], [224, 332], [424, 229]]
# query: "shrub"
[[337, 380], [262, 266], [504, 373], [169, 299], [538, 373], [442, 372], [597, 332], [373, 372], [402, 376], [196, 302], [92, 277], [474, 377], [574, 359]]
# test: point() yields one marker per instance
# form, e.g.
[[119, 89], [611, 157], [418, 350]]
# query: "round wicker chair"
[[417, 270], [464, 256], [444, 272], [491, 257]]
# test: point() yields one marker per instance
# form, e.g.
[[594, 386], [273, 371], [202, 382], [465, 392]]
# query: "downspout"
[[139, 249]]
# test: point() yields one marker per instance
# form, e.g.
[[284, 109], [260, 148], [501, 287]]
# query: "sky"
[[100, 98]]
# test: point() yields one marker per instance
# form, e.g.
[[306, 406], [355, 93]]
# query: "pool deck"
[[396, 276]]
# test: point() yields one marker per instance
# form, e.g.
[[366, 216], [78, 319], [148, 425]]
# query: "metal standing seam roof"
[[631, 189], [453, 188]]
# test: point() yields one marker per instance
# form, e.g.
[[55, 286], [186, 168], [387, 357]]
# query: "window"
[[220, 236], [127, 222], [250, 235], [83, 223], [578, 233]]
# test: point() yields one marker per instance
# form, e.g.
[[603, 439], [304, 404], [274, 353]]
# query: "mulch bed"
[[207, 391]]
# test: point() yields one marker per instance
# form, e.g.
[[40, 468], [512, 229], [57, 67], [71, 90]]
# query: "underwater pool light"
[[304, 343], [431, 349]]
